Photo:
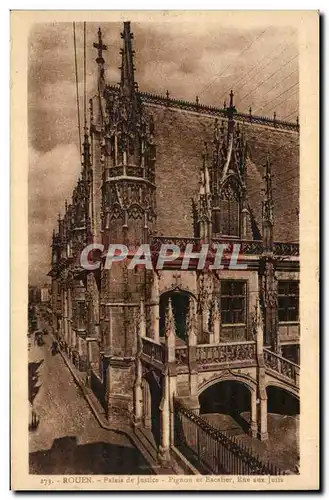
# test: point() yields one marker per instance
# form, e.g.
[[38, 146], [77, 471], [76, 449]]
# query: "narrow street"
[[68, 439]]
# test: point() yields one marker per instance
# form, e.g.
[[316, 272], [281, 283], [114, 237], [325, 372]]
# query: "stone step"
[[146, 444]]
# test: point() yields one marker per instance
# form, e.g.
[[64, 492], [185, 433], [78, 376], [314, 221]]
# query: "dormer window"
[[226, 218]]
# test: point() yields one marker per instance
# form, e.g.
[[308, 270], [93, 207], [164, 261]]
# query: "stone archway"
[[281, 401], [230, 405], [180, 304], [283, 422]]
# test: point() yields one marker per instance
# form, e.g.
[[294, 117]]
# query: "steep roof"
[[180, 135]]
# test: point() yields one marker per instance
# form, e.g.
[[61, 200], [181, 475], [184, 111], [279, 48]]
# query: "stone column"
[[170, 380], [214, 337], [205, 292], [155, 309], [61, 323], [253, 414], [262, 418], [164, 448], [108, 387], [170, 335], [89, 362], [170, 338], [80, 346], [205, 318], [261, 385], [172, 394], [89, 352], [69, 319], [142, 319], [192, 342], [65, 316], [138, 393], [147, 405], [74, 339], [244, 222]]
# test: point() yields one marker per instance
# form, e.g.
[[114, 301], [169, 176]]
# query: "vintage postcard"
[[165, 250]]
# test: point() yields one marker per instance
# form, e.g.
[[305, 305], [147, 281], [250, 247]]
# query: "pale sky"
[[188, 59]]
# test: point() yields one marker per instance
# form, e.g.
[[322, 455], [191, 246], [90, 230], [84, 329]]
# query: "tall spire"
[[170, 327], [268, 207], [205, 199], [191, 322], [230, 111], [127, 67]]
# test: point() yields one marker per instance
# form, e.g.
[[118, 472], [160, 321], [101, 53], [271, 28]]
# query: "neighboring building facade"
[[34, 294], [44, 294], [157, 170]]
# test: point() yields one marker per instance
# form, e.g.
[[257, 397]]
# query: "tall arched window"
[[230, 209]]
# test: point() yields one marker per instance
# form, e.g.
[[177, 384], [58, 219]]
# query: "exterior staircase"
[[281, 368]]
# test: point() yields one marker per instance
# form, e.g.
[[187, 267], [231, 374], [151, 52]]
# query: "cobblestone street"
[[68, 439]]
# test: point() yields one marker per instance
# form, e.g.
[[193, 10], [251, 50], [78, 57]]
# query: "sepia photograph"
[[164, 297]]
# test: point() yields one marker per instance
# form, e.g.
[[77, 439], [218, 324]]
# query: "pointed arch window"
[[228, 222]]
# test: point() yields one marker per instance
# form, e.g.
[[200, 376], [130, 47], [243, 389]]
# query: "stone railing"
[[287, 249], [181, 355], [247, 247], [153, 350], [282, 366], [197, 107], [157, 241], [226, 353]]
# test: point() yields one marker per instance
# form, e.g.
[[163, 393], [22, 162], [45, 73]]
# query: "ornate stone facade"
[[136, 187]]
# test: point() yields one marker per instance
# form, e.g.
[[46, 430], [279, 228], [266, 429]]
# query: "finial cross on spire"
[[231, 109], [100, 46]]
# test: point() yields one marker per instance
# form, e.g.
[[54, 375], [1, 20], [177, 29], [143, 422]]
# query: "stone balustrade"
[[247, 247], [281, 365], [244, 352], [153, 350]]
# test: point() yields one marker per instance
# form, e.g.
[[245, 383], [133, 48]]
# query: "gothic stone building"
[[159, 170]]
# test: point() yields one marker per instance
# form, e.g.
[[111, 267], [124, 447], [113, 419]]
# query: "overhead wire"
[[77, 87], [284, 100], [266, 79], [257, 72], [84, 79], [277, 85], [290, 114], [227, 67]]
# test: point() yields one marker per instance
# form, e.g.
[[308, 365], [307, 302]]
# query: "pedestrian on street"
[[54, 347]]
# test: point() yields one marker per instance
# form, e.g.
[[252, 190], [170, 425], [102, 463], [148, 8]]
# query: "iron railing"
[[213, 452]]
